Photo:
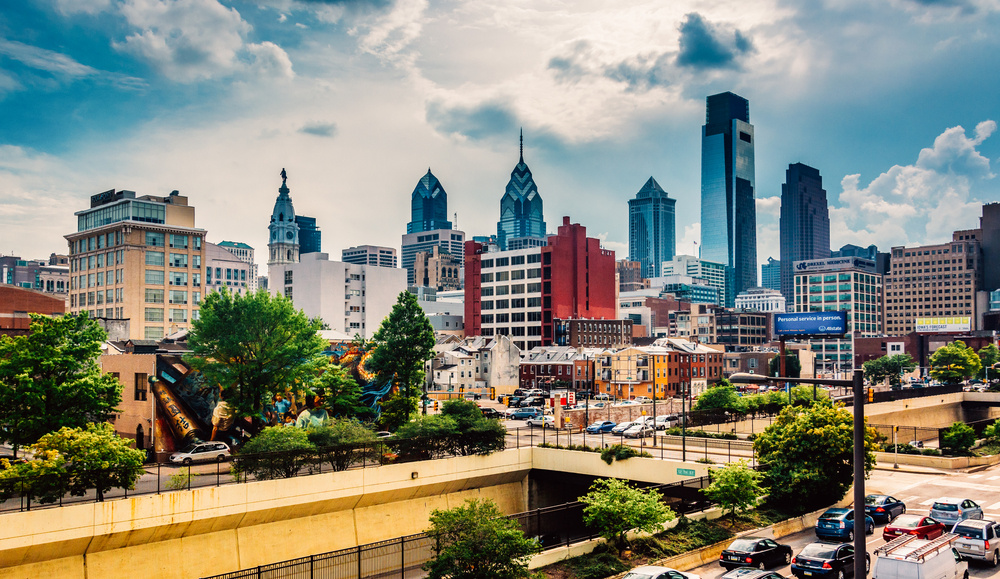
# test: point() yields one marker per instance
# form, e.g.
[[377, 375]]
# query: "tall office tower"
[[310, 237], [245, 254], [728, 213], [989, 223], [651, 239], [521, 222], [370, 255], [770, 274], [137, 259], [804, 223], [428, 206], [283, 243]]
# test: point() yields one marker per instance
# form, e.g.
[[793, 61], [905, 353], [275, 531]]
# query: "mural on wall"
[[353, 357]]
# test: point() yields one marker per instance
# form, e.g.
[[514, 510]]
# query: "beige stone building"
[[140, 259]]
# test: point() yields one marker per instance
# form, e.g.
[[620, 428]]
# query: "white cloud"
[[71, 7], [690, 239], [391, 34], [270, 60]]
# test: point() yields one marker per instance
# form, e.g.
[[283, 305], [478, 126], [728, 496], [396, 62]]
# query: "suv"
[[525, 413], [950, 511], [978, 539], [908, 557], [201, 452]]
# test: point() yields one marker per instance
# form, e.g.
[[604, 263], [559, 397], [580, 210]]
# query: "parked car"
[[883, 508], [532, 401], [623, 426], [602, 396], [490, 412], [912, 558], [525, 413], [201, 452], [514, 401], [838, 525], [639, 431], [978, 539], [950, 511], [921, 526], [665, 421], [916, 443], [643, 399], [597, 405], [826, 560], [759, 552], [751, 573], [542, 421], [600, 426], [656, 572], [626, 403]]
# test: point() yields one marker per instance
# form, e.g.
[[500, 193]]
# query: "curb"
[[902, 468]]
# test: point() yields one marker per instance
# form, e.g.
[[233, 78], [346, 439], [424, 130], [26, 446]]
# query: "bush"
[[931, 452], [276, 452], [958, 438], [705, 460], [344, 443], [675, 431], [902, 449], [621, 452], [181, 480], [597, 566]]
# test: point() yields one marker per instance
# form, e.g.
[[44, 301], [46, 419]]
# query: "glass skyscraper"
[[804, 223], [770, 274], [521, 223], [651, 226], [428, 206], [728, 211]]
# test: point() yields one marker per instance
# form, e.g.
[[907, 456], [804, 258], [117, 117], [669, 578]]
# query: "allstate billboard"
[[811, 323]]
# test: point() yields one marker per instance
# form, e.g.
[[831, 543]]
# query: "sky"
[[895, 102]]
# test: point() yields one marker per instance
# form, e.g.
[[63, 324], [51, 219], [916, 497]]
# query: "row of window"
[[512, 303], [97, 261], [178, 278], [177, 316], [517, 288], [512, 260], [96, 298], [512, 275]]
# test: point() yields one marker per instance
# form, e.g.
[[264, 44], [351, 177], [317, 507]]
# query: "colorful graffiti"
[[353, 357]]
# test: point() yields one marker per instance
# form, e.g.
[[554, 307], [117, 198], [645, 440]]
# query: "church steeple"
[[283, 241]]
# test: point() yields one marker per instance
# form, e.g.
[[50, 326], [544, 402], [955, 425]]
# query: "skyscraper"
[[804, 223], [651, 228], [770, 274], [428, 206], [283, 243], [521, 221], [310, 237], [728, 213]]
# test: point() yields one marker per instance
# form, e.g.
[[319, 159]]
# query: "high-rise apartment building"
[[244, 253], [989, 224], [934, 281], [138, 259], [283, 241], [651, 228], [522, 223], [770, 274], [224, 269], [713, 274], [728, 210], [804, 222], [428, 205], [370, 255]]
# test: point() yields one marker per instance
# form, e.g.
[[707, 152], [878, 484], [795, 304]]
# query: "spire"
[[522, 144]]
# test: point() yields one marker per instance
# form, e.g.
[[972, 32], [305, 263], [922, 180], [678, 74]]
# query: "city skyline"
[[279, 84]]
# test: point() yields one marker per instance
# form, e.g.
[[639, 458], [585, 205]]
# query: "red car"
[[922, 527]]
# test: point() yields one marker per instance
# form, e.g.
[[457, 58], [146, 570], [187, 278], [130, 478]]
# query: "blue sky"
[[895, 103]]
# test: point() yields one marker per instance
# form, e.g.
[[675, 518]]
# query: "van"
[[908, 557]]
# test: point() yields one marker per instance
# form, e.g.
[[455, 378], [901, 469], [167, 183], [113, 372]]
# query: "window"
[[178, 316], [153, 333], [154, 239], [196, 259], [503, 275], [178, 260], [178, 241], [517, 260], [154, 258], [154, 314], [517, 274], [178, 278], [154, 296], [288, 275], [502, 290], [154, 277], [178, 297], [141, 384]]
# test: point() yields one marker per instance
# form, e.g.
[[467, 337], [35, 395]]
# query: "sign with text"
[[835, 264], [944, 324], [685, 472], [811, 323]]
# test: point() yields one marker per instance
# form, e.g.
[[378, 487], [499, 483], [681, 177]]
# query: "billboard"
[[944, 324], [811, 323], [833, 264]]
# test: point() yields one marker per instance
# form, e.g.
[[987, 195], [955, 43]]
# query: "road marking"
[[975, 476], [995, 477], [965, 486], [992, 507], [909, 498], [928, 502]]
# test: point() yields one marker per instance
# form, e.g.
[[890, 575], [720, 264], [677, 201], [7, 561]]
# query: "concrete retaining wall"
[[942, 462]]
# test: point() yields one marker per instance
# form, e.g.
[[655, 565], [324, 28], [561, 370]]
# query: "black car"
[[883, 508], [826, 560], [490, 413], [759, 552], [750, 573]]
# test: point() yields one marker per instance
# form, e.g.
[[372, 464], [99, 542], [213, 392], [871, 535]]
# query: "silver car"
[[639, 431], [622, 427], [977, 539], [950, 511]]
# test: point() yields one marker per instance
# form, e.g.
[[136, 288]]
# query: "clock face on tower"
[[288, 235]]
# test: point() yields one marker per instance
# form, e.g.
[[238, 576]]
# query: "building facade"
[[713, 274], [139, 259], [728, 207], [989, 224], [428, 206], [770, 274], [310, 237], [740, 330], [17, 302], [804, 222], [283, 231], [433, 269], [223, 269], [593, 333], [50, 276], [244, 253], [762, 300], [522, 222], [449, 241], [630, 276], [651, 228], [370, 255]]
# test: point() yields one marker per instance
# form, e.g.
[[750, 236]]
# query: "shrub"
[[597, 566], [181, 480], [276, 452], [931, 452], [958, 438], [621, 452]]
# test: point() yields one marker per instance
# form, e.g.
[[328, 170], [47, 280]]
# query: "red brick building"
[[16, 303]]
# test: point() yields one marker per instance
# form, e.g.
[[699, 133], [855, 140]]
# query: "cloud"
[[476, 122], [390, 35], [70, 7], [270, 60], [688, 243], [57, 65], [707, 46], [320, 129], [769, 206]]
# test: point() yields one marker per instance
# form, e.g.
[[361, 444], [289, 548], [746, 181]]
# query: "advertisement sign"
[[944, 324], [833, 264], [811, 323]]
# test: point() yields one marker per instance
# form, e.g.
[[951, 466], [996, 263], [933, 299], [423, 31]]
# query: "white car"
[[542, 421], [626, 403], [201, 452], [657, 572], [665, 421], [643, 399]]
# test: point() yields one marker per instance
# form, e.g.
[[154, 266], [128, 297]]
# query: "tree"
[[75, 460], [255, 346], [989, 355], [955, 362], [276, 452], [614, 508], [426, 437], [808, 454], [474, 433], [404, 342], [50, 379], [396, 411], [476, 541], [720, 398], [891, 367], [341, 393], [992, 432], [959, 438], [792, 365], [735, 487], [344, 443]]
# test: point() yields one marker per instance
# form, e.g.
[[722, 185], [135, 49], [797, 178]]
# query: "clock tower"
[[283, 239]]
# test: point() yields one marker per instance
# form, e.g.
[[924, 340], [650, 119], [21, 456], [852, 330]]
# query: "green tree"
[[476, 541], [426, 437], [735, 487], [720, 398], [792, 365], [50, 379], [955, 362], [276, 452], [341, 393], [255, 345], [397, 410], [992, 432], [959, 438], [891, 367], [988, 356], [404, 342], [614, 508], [75, 460], [344, 443], [808, 454], [474, 433]]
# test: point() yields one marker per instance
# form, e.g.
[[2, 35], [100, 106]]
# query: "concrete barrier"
[[942, 462]]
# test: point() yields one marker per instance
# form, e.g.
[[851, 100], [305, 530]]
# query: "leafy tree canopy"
[[792, 365], [988, 356], [475, 541], [397, 410], [276, 452], [341, 393], [721, 398], [405, 341], [255, 346], [50, 379], [955, 362], [614, 508], [475, 434], [735, 487], [344, 443], [808, 454], [891, 367], [959, 438]]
